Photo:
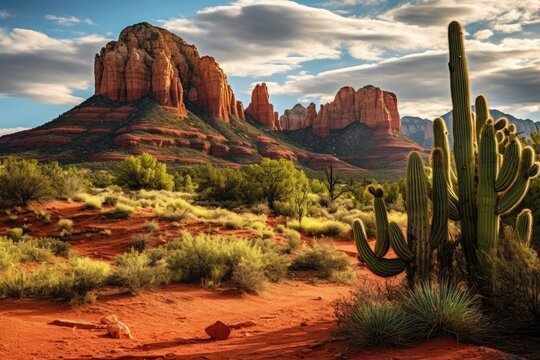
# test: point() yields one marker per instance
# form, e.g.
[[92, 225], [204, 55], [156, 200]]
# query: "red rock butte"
[[369, 105], [150, 61], [261, 109]]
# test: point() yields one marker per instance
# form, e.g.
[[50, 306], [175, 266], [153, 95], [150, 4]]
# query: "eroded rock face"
[[298, 117], [147, 60], [261, 109], [369, 105]]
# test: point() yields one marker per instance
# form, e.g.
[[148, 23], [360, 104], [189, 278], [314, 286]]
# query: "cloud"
[[508, 73], [483, 34], [5, 131], [263, 37], [348, 3], [48, 70], [68, 20], [4, 14]]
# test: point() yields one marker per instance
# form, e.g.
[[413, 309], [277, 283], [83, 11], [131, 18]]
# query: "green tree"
[[274, 180], [143, 172], [221, 184]]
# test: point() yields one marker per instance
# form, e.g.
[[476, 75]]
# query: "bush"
[[139, 243], [22, 181], [516, 289], [14, 284], [328, 262], [65, 227], [445, 310], [293, 239], [366, 322], [93, 202], [211, 260], [143, 172], [86, 275], [151, 226], [136, 272], [318, 227], [120, 211], [15, 234]]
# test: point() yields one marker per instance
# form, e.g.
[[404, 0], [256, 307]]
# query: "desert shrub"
[[100, 179], [15, 234], [136, 272], [86, 275], [57, 247], [93, 202], [110, 200], [183, 182], [14, 284], [49, 281], [120, 211], [249, 276], [212, 259], [328, 262], [28, 249], [221, 184], [367, 322], [445, 310], [143, 172], [65, 227], [293, 239], [42, 215], [516, 285], [151, 226], [316, 227], [22, 181]]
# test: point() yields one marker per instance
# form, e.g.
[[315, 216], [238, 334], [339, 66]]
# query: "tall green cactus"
[[493, 171], [414, 254]]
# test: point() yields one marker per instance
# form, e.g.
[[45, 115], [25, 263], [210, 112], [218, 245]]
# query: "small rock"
[[303, 323], [318, 298], [218, 331], [109, 319], [242, 325], [119, 330]]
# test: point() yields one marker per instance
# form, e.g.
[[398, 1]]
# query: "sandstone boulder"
[[218, 331]]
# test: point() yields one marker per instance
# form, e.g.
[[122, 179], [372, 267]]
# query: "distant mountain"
[[421, 130]]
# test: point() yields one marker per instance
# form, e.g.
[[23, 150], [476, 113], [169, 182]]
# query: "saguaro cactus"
[[414, 255], [493, 171]]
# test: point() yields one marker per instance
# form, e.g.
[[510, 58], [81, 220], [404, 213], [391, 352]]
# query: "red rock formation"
[[260, 108], [147, 60], [240, 110], [369, 105], [298, 117]]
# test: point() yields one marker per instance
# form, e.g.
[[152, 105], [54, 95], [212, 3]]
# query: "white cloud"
[[347, 3], [483, 34], [6, 131], [68, 20], [4, 14], [48, 70]]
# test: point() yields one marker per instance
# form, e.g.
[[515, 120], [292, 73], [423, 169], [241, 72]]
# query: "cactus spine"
[[414, 254]]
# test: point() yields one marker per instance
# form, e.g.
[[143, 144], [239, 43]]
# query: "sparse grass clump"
[[65, 227], [15, 234], [151, 226], [328, 262], [317, 227], [120, 211]]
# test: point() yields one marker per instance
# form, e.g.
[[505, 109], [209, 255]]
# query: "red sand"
[[294, 319]]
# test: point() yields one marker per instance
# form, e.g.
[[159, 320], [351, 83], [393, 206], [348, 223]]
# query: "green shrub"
[[143, 172], [151, 226], [15, 234], [87, 275], [366, 322], [22, 181], [93, 202], [516, 285], [136, 272], [249, 277], [445, 310], [318, 227], [14, 284], [139, 243], [328, 262], [293, 239], [120, 211]]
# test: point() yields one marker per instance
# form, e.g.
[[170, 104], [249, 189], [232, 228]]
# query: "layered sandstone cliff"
[[150, 61], [298, 117], [369, 105], [261, 109]]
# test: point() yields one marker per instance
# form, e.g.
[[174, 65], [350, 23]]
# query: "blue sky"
[[304, 50]]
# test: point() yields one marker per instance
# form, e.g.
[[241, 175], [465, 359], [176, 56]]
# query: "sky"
[[305, 50]]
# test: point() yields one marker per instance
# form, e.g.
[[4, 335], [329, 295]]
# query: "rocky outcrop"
[[150, 61], [261, 109], [298, 117], [369, 105], [418, 130]]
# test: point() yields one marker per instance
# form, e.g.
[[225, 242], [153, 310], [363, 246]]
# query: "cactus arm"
[[488, 220], [440, 139], [510, 165], [517, 191], [482, 114], [379, 266], [417, 217], [439, 220], [463, 140], [381, 221], [453, 209], [397, 240], [524, 226]]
